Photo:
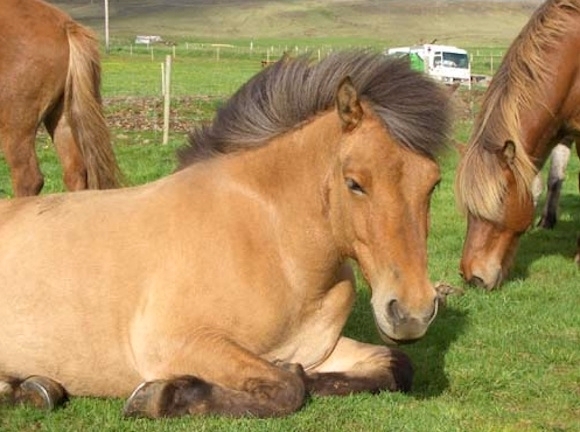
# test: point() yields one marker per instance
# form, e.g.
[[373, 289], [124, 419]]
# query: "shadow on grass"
[[560, 241], [427, 354]]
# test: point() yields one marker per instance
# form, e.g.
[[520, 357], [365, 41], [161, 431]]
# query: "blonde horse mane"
[[519, 83]]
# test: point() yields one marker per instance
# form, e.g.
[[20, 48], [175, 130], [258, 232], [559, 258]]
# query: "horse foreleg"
[[247, 385], [355, 367]]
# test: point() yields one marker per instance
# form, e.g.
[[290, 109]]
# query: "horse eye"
[[354, 186]]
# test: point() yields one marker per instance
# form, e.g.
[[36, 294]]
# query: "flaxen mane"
[[285, 95], [517, 85]]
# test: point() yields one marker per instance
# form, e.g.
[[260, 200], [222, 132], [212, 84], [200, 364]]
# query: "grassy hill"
[[392, 22]]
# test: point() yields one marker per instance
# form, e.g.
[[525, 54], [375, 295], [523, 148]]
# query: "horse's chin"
[[393, 341], [388, 334]]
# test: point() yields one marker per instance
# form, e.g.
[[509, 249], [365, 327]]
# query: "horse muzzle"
[[397, 324], [487, 277]]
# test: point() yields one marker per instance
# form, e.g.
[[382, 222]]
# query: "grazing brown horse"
[[50, 73], [532, 102], [224, 287]]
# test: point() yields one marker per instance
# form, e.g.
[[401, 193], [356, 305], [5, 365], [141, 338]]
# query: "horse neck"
[[555, 109], [289, 175], [290, 164]]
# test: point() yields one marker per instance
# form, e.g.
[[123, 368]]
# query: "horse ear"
[[348, 105], [509, 152]]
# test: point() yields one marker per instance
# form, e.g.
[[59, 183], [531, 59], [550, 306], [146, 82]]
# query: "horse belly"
[[44, 335], [62, 313]]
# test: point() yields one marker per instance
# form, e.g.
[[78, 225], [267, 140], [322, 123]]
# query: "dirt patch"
[[142, 114], [145, 114]]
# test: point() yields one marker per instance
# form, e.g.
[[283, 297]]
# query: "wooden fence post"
[[163, 86], [167, 99]]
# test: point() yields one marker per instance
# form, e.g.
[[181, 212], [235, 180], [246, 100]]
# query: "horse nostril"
[[394, 311], [477, 281]]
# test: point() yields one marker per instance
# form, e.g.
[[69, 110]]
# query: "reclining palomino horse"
[[50, 73], [532, 103], [224, 287]]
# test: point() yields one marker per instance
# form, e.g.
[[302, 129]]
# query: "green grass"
[[501, 361], [193, 73]]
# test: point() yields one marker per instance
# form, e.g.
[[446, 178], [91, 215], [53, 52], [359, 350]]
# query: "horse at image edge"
[[531, 104], [50, 74]]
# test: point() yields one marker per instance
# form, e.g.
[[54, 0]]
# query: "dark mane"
[[292, 91], [520, 82]]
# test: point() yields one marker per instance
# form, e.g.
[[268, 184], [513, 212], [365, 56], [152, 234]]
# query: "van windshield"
[[456, 60]]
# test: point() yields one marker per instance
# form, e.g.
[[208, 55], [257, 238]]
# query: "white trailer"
[[443, 62]]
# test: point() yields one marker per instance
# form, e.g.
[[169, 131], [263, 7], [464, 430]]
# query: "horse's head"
[[495, 223], [378, 199]]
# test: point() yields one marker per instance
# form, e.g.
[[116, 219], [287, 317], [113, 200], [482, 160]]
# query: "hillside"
[[461, 22]]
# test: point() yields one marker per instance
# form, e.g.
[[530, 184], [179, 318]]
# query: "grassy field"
[[508, 360], [500, 361]]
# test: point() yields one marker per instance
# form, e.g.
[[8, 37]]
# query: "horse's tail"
[[83, 106]]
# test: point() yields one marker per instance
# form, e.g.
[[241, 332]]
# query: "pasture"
[[505, 360]]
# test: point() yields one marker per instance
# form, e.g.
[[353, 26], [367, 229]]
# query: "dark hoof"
[[6, 393], [141, 402], [40, 392], [168, 398]]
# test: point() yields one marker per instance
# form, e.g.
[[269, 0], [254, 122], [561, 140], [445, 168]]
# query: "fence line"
[[199, 81], [484, 61]]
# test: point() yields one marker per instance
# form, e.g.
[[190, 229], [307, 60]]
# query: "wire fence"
[[203, 76], [225, 63]]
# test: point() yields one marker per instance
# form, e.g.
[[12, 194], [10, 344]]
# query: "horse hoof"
[[6, 393], [142, 402], [168, 398], [40, 392]]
